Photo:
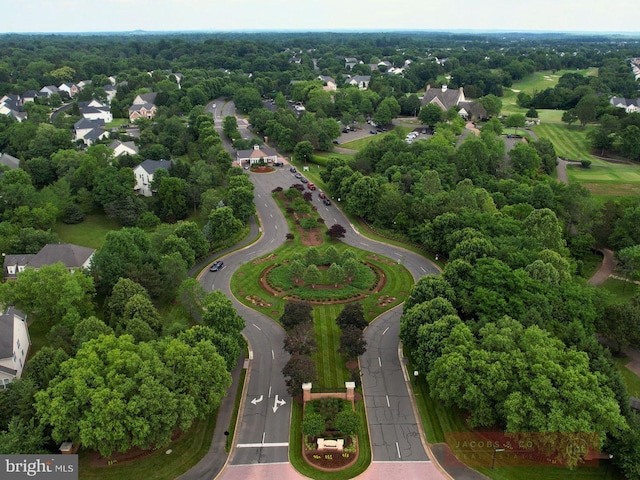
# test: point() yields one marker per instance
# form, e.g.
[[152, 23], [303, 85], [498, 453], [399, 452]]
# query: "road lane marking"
[[388, 404], [398, 448], [385, 330], [260, 445], [256, 326], [365, 244], [422, 268], [269, 392], [264, 433], [273, 355], [379, 362]]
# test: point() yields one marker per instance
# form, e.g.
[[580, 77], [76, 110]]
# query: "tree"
[[352, 315], [336, 231], [525, 159], [630, 142], [347, 422], [230, 127], [335, 274], [241, 202], [515, 120], [171, 200], [298, 370], [116, 303], [88, 329], [352, 342], [222, 225], [422, 314], [303, 152], [301, 340], [311, 275], [295, 313], [312, 256], [362, 199], [313, 424], [586, 109], [50, 293], [192, 295], [569, 116], [629, 259], [350, 267], [532, 113], [23, 437], [431, 114], [492, 104], [220, 314], [426, 289], [247, 99], [296, 270]]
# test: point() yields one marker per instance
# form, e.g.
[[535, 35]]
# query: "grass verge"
[[186, 452], [631, 380], [90, 233], [236, 408]]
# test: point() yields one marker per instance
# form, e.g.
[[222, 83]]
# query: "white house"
[[70, 88], [257, 154], [144, 175], [123, 148], [360, 81], [89, 131], [14, 345], [630, 105], [330, 84], [95, 110]]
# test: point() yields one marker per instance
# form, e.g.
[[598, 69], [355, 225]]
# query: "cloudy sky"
[[358, 15]]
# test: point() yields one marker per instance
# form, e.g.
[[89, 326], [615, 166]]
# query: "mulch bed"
[[329, 460]]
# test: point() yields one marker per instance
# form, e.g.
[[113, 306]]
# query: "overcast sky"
[[334, 15]]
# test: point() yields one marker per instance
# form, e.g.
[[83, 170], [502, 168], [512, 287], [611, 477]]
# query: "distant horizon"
[[246, 16], [345, 30]]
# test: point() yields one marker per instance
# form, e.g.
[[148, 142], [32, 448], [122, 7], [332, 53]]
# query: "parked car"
[[293, 170], [326, 201], [304, 180], [373, 132], [298, 175], [311, 186], [217, 265], [322, 195], [277, 164]]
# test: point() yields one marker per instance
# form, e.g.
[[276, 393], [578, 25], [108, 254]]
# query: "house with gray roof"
[[123, 148], [330, 84], [145, 98], [73, 257], [447, 98], [630, 105], [259, 153], [14, 345], [9, 161], [89, 131], [144, 175], [360, 81], [49, 90]]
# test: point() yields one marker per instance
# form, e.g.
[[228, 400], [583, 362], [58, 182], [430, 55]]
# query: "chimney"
[[444, 88], [256, 147]]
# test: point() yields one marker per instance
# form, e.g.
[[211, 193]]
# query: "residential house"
[[145, 98], [178, 77], [9, 161], [630, 105], [144, 175], [360, 81], [14, 345], [89, 131], [123, 148], [259, 153], [83, 83], [73, 257], [95, 110], [143, 106], [70, 89], [29, 96], [11, 105], [447, 98], [350, 62], [111, 92], [330, 84], [49, 90]]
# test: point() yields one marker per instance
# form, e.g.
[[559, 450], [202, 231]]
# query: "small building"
[[9, 161], [259, 153], [360, 81], [14, 345], [447, 98], [144, 175]]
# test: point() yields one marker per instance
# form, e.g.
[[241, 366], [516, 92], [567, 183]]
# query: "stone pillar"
[[351, 386], [306, 392]]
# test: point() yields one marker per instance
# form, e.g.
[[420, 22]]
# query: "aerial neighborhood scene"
[[298, 240]]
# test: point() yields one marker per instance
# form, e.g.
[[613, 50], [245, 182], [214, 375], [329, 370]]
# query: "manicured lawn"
[[330, 365], [363, 142], [117, 122], [607, 180], [620, 291], [631, 380], [186, 452], [569, 142], [90, 233]]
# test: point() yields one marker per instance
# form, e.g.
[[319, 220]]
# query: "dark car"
[[277, 164], [304, 180], [373, 132], [298, 175], [293, 170], [326, 201], [217, 265]]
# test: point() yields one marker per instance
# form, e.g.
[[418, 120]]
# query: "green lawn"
[[607, 180], [620, 291], [186, 452], [631, 380], [90, 233], [363, 142], [569, 142], [330, 365]]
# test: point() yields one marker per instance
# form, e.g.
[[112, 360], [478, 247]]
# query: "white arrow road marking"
[[277, 404], [256, 401]]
